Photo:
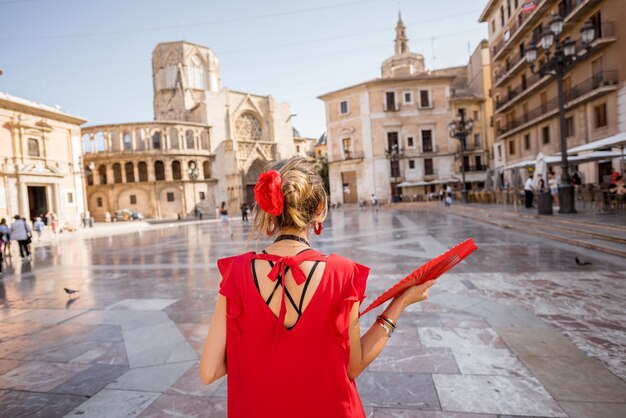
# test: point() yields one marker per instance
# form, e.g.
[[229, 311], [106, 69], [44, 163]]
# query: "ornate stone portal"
[[228, 135]]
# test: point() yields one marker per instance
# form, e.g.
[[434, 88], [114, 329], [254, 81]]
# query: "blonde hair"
[[304, 193]]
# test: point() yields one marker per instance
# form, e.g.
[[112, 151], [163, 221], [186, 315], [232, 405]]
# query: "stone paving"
[[517, 330]]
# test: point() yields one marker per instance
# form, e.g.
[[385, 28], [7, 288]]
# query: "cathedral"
[[206, 145]]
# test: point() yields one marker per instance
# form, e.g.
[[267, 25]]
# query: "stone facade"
[[235, 134], [39, 161], [389, 136], [526, 104]]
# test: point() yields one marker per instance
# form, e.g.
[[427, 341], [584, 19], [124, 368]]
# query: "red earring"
[[317, 228]]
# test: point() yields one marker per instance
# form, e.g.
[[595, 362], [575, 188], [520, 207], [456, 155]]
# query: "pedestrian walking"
[[244, 212], [107, 217], [528, 193], [5, 238], [294, 356], [374, 201], [54, 225], [21, 232], [226, 229], [553, 184], [39, 227]]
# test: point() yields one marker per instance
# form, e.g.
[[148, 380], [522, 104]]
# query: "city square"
[[518, 329], [140, 140]]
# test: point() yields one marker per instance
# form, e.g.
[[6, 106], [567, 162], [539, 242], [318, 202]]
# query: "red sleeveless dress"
[[301, 372]]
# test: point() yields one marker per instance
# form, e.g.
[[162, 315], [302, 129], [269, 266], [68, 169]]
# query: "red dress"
[[301, 372]]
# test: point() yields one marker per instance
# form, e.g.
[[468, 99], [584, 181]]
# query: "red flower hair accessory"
[[268, 192]]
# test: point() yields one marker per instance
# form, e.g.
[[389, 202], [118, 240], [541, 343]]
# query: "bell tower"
[[403, 63], [182, 74]]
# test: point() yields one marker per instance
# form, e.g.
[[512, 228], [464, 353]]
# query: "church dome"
[[296, 134], [322, 139]]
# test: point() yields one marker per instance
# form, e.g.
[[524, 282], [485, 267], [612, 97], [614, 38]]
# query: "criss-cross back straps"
[[281, 264]]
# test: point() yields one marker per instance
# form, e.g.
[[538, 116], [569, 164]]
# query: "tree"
[[321, 166]]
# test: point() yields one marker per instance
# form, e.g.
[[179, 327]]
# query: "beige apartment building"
[[227, 135], [526, 103], [40, 161], [389, 136]]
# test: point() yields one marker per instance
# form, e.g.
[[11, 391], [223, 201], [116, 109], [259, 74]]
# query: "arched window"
[[100, 142], [176, 173], [206, 169], [117, 173], [248, 128], [174, 141], [115, 141], [159, 170], [189, 142], [102, 174], [130, 172], [87, 143], [140, 142], [204, 140], [143, 171], [128, 142], [156, 140], [89, 176], [196, 74]]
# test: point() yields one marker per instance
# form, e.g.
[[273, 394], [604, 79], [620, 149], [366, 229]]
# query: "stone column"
[[109, 168], [23, 198], [151, 175]]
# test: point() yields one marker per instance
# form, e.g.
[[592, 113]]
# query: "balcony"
[[352, 155], [599, 84], [510, 68], [574, 10], [605, 34], [518, 27], [474, 168]]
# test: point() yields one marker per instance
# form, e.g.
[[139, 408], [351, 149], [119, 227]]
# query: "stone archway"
[[250, 179]]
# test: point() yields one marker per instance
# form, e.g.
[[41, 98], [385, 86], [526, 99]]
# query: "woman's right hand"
[[415, 294]]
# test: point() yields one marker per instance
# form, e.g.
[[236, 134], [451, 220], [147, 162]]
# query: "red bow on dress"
[[281, 263]]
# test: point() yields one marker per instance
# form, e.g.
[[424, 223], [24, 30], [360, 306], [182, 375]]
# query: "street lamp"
[[193, 172], [461, 129], [84, 172], [557, 64], [394, 154]]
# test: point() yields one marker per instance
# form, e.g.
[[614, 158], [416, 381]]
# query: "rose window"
[[248, 128]]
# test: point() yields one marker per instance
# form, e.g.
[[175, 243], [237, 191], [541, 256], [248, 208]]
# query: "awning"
[[427, 183], [584, 158], [615, 141], [521, 164]]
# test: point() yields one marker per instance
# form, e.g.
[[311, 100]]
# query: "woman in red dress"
[[286, 324]]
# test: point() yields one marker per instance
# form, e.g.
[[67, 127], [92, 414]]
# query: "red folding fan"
[[429, 271]]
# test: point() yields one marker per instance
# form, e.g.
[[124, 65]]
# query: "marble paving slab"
[[128, 320], [495, 361], [14, 404], [142, 304], [415, 360], [157, 344], [404, 413], [185, 406], [46, 316], [195, 334], [538, 342], [502, 395], [39, 376], [594, 409], [152, 378], [12, 330], [89, 381], [7, 365], [189, 384], [390, 389], [461, 338], [8, 313], [577, 379], [115, 404]]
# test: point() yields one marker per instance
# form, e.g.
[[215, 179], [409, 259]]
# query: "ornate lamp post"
[[394, 154], [193, 172], [557, 64], [461, 129], [84, 172]]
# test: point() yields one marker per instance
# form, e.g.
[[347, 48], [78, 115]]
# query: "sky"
[[92, 58]]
